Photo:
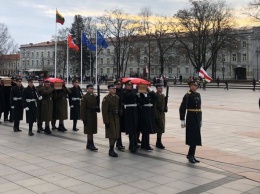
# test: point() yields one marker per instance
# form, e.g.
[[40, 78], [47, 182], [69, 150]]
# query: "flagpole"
[[55, 63], [81, 69], [96, 56], [67, 61]]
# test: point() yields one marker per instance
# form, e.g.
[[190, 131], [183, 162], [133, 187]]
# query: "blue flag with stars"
[[86, 42], [101, 41]]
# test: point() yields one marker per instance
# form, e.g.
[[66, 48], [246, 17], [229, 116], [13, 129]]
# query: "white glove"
[[26, 109], [14, 98], [40, 98], [183, 124], [149, 89], [12, 107], [71, 106], [134, 86], [123, 86]]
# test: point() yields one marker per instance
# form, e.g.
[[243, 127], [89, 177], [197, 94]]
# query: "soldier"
[[130, 114], [60, 107], [147, 124], [119, 93], [110, 111], [74, 101], [17, 104], [7, 109], [159, 112], [30, 96], [2, 102], [47, 106], [192, 103], [88, 113], [39, 105]]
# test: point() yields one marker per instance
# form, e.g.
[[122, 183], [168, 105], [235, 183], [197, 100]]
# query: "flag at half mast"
[[59, 18]]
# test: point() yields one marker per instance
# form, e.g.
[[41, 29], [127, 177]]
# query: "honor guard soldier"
[[47, 106], [39, 105], [192, 104], [30, 96], [110, 113], [147, 124], [60, 107], [159, 112], [74, 102], [17, 104], [119, 93], [2, 100], [7, 92], [130, 114], [88, 113]]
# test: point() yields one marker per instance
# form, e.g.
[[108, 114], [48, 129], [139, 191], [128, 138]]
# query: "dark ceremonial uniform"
[[192, 104], [2, 100], [39, 108], [130, 117], [30, 105], [74, 102], [17, 106], [47, 107], [7, 108], [147, 118]]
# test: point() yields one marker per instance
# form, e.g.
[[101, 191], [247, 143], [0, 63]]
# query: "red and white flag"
[[72, 44], [146, 70], [203, 74]]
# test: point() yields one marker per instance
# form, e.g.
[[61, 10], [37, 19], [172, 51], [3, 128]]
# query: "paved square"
[[59, 163]]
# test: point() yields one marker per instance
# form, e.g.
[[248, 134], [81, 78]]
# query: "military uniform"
[[88, 113], [2, 102], [30, 105], [191, 103], [7, 109], [39, 108], [110, 113], [74, 102], [17, 106], [47, 107]]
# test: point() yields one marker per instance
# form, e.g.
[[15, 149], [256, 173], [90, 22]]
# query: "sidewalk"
[[59, 163]]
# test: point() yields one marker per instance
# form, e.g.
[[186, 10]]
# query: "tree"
[[253, 10], [204, 30], [120, 30], [7, 44]]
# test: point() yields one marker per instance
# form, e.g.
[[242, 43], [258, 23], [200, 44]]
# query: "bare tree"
[[253, 10], [7, 44], [204, 30], [120, 30]]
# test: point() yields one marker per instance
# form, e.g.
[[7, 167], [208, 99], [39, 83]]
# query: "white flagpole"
[[81, 68], [67, 61], [96, 56], [55, 63]]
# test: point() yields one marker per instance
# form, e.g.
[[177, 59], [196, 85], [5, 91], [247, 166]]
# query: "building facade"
[[10, 64]]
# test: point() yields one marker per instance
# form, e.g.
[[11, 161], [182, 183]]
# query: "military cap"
[[30, 79], [117, 82], [128, 82], [74, 80], [89, 86], [192, 83], [111, 86], [158, 85], [19, 79]]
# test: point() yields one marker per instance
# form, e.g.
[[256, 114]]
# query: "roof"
[[10, 57]]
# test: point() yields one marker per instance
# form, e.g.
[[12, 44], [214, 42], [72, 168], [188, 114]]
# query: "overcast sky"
[[33, 21]]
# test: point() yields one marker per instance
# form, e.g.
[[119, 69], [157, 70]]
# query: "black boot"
[[60, 128], [15, 129], [119, 144], [111, 152], [92, 146], [191, 159], [132, 146], [47, 130], [63, 127], [88, 145], [197, 161], [159, 144], [75, 125], [30, 133]]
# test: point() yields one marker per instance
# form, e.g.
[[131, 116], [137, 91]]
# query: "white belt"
[[15, 98], [149, 105], [74, 99], [30, 100], [130, 105]]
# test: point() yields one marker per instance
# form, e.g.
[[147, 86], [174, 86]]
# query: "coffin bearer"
[[39, 89], [7, 91], [159, 112], [60, 107], [110, 111], [2, 100], [17, 104], [88, 113], [47, 106], [30, 95], [191, 103], [74, 102]]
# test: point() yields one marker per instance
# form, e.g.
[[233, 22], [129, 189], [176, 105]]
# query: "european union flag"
[[87, 43], [101, 41]]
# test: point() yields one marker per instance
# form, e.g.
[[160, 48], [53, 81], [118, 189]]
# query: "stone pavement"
[[59, 163]]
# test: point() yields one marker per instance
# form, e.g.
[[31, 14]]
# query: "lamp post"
[[257, 51], [223, 67]]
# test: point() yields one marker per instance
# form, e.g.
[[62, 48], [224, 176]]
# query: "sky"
[[33, 21]]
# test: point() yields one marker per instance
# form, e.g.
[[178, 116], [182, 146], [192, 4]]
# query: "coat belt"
[[74, 99], [15, 98], [149, 105], [30, 100], [194, 110], [130, 105]]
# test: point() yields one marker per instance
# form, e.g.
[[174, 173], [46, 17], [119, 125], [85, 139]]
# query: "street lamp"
[[257, 51], [223, 67]]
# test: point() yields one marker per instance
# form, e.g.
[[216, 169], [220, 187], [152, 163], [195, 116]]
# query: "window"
[[42, 54], [244, 44], [101, 71], [152, 70], [48, 62], [114, 70], [108, 61], [108, 51], [28, 54], [32, 54], [244, 58], [108, 70], [37, 54], [37, 62], [234, 57], [170, 70], [49, 54], [28, 62], [101, 61], [32, 62], [186, 70], [145, 59]]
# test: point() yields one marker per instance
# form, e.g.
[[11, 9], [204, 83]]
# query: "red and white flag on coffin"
[[203, 74]]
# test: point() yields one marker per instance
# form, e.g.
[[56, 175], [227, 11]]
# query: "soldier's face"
[[76, 83], [30, 83], [128, 87], [159, 90], [118, 86], [47, 85], [90, 90], [19, 83], [112, 90], [193, 87], [40, 83]]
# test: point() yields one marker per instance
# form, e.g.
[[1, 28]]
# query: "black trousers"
[[145, 140], [16, 124], [192, 150]]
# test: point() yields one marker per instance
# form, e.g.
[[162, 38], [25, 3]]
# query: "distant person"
[[254, 83], [204, 84], [218, 81], [180, 78], [226, 83], [175, 81]]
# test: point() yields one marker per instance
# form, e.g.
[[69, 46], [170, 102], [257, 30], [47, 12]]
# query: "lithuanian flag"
[[59, 18]]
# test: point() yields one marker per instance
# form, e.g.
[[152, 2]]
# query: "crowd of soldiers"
[[127, 108]]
